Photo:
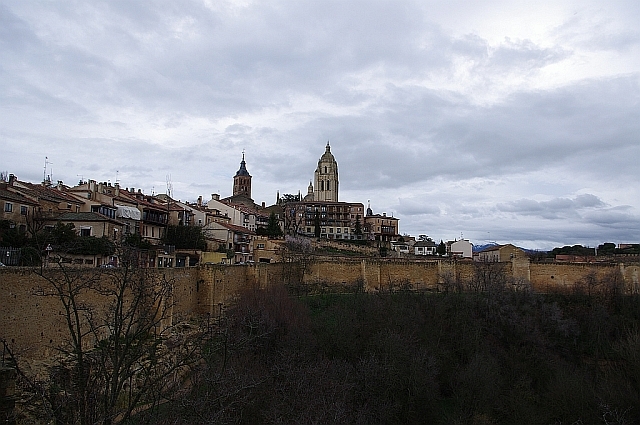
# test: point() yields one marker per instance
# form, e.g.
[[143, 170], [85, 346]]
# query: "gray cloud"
[[431, 119], [553, 209]]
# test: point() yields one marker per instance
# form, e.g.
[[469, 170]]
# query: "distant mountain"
[[478, 248]]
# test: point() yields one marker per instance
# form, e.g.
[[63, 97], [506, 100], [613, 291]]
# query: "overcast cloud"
[[507, 121]]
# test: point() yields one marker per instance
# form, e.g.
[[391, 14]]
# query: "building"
[[461, 249], [93, 224], [381, 228], [235, 239], [500, 253], [401, 247], [425, 247], [267, 250], [52, 200], [16, 210], [332, 220]]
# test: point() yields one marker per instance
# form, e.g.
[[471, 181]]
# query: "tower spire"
[[242, 180]]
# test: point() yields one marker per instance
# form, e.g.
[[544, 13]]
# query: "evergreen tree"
[[185, 237], [316, 225], [358, 229], [442, 248], [273, 228]]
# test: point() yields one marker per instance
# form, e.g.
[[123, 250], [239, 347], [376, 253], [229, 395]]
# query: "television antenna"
[[169, 186], [44, 174]]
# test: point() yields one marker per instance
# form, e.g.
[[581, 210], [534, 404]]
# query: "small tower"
[[325, 187], [242, 180]]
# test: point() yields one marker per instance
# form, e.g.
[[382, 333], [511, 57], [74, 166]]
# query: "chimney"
[[117, 186], [384, 214], [215, 197], [12, 178], [262, 204], [60, 184], [199, 201]]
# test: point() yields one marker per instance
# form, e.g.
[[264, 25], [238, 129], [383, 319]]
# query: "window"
[[328, 185], [338, 230], [23, 210], [8, 207], [321, 184], [330, 229], [325, 170], [85, 231], [260, 246]]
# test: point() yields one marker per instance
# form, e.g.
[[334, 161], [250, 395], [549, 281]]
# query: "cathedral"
[[325, 179]]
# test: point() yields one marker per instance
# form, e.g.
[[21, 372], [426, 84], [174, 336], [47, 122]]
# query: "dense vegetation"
[[185, 237], [496, 357], [605, 249]]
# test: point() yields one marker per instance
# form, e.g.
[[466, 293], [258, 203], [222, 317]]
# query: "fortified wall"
[[34, 324]]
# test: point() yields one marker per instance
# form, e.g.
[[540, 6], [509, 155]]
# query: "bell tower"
[[325, 187], [242, 180]]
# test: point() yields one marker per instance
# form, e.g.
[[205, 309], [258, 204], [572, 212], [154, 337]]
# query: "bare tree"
[[450, 282], [488, 276], [297, 256], [123, 352]]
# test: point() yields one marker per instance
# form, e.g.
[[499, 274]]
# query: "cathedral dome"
[[327, 156]]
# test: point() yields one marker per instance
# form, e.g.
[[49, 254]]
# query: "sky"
[[504, 121]]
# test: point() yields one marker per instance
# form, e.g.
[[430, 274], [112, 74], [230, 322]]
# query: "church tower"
[[242, 181], [325, 187]]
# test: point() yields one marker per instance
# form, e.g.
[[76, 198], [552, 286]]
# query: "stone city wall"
[[551, 276], [35, 324]]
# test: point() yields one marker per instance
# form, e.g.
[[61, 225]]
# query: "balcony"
[[153, 217]]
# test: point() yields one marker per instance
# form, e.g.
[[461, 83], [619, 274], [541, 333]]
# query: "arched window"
[[328, 185], [321, 184], [325, 170]]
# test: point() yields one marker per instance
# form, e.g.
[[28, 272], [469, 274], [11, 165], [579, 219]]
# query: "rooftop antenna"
[[81, 178], [44, 174], [169, 186], [117, 180]]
